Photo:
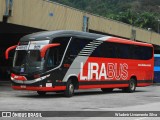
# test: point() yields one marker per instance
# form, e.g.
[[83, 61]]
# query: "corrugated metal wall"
[[155, 38], [109, 26], [45, 15], [142, 34], [2, 9], [53, 16]]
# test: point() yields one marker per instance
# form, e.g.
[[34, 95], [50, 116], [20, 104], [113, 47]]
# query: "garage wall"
[[155, 38], [109, 26], [46, 15], [142, 34], [2, 9]]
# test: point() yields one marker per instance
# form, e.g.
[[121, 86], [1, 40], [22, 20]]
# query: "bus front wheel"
[[132, 86], [69, 92]]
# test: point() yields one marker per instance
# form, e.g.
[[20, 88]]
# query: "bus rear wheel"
[[106, 90], [69, 92], [132, 86], [41, 93]]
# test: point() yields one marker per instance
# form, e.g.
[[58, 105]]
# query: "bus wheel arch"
[[74, 80], [132, 85], [135, 78], [71, 85]]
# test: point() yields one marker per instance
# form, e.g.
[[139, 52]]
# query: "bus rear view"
[[62, 61]]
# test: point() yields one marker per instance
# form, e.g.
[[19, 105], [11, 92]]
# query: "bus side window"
[[77, 44], [53, 58], [105, 50], [143, 52], [55, 54], [74, 48], [124, 51], [111, 50]]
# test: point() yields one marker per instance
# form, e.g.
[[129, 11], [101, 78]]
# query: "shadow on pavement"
[[77, 94]]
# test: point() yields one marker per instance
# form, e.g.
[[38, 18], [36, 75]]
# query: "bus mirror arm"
[[46, 47], [8, 50]]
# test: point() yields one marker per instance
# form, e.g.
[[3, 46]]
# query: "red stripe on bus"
[[56, 88], [126, 41], [103, 86]]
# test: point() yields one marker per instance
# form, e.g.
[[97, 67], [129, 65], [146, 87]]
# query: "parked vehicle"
[[69, 60]]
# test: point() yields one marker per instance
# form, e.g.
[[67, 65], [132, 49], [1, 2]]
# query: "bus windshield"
[[28, 61]]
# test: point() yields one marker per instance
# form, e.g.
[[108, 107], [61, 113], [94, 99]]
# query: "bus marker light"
[[66, 65]]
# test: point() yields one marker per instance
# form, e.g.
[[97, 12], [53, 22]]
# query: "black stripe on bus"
[[112, 82], [144, 81], [104, 82], [88, 83]]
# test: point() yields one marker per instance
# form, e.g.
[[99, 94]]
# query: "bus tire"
[[106, 90], [41, 93], [132, 86], [69, 92]]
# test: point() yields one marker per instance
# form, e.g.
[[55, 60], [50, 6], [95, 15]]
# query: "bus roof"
[[127, 41], [49, 35]]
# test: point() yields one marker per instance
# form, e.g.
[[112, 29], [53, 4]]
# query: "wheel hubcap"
[[132, 85], [71, 88]]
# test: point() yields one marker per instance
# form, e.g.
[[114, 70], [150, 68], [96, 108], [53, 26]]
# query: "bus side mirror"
[[8, 50], [46, 47]]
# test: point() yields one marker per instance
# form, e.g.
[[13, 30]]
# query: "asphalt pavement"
[[144, 99]]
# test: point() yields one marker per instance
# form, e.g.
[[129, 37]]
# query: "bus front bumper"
[[34, 88]]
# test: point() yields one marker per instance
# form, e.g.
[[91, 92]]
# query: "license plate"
[[48, 84]]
